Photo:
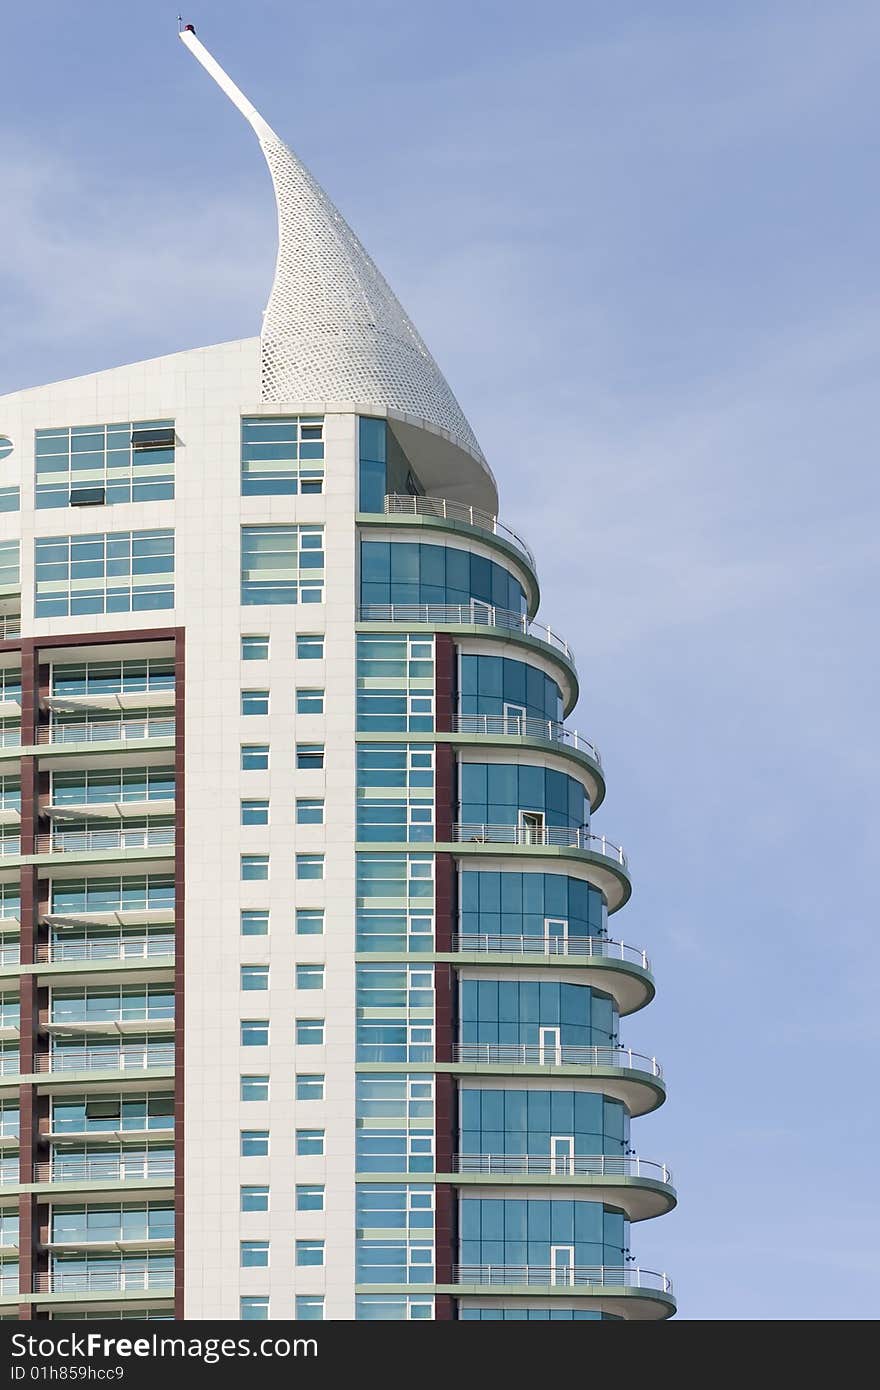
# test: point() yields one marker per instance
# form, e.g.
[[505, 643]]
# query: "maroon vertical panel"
[[445, 1108], [179, 958]]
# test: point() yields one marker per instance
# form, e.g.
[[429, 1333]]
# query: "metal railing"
[[572, 837], [520, 726], [133, 1057], [113, 1167], [107, 948], [473, 614], [561, 1166], [102, 1280], [121, 837], [582, 946], [552, 1276], [397, 504], [10, 625], [105, 731], [555, 1055]]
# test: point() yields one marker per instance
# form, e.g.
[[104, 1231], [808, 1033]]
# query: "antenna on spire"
[[181, 27]]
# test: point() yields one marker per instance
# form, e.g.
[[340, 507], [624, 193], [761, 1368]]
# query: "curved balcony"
[[131, 1057], [548, 731], [615, 1071], [642, 1188], [607, 860], [441, 508], [473, 614], [623, 1289], [121, 837], [625, 971], [106, 731]]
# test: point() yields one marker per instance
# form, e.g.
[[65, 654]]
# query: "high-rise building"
[[310, 996]]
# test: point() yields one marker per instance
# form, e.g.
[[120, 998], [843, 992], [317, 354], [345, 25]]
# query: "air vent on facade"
[[152, 439], [86, 496]]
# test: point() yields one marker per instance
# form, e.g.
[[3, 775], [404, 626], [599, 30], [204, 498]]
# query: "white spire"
[[333, 328]]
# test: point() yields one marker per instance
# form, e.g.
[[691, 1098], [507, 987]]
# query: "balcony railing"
[[106, 731], [519, 726], [102, 1280], [121, 837], [473, 614], [573, 837], [113, 1167], [10, 625], [561, 1166], [399, 505], [552, 1276], [555, 1055], [581, 946], [107, 948], [134, 1057]]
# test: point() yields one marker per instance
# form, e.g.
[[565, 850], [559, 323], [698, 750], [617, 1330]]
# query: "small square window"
[[253, 1309], [255, 866], [255, 813], [255, 1032], [310, 702], [254, 757], [255, 977], [309, 1086], [254, 1254], [255, 648], [309, 1143], [309, 1308], [255, 702], [309, 1198], [310, 756], [309, 1252], [254, 923], [310, 977], [255, 1143], [310, 811], [254, 1198], [310, 921], [310, 1032], [307, 866], [310, 648], [254, 1088]]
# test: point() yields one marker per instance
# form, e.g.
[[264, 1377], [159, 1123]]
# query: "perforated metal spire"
[[333, 328]]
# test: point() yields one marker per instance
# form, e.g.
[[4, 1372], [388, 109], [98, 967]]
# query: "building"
[[310, 1001]]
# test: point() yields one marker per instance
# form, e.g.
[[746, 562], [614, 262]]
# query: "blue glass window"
[[525, 1121], [519, 904], [282, 564], [495, 793], [131, 462], [513, 1232], [491, 684], [410, 572], [282, 455], [113, 572], [514, 1011]]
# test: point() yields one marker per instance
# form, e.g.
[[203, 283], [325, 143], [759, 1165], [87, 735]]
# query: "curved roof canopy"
[[333, 328]]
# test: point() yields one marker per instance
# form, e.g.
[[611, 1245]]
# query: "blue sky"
[[641, 241]]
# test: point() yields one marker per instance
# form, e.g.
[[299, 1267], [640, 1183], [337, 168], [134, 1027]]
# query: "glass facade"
[[554, 1235], [525, 1121], [95, 464], [395, 683], [499, 685], [395, 902], [528, 904], [496, 793], [114, 572], [411, 572], [282, 455], [516, 1011]]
